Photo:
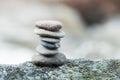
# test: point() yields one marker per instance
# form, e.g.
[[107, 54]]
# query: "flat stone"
[[44, 51], [41, 32], [49, 25], [50, 40], [56, 60], [50, 45]]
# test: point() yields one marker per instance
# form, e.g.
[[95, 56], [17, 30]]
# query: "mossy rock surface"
[[79, 69]]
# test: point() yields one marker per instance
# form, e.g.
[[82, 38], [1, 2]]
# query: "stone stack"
[[50, 34]]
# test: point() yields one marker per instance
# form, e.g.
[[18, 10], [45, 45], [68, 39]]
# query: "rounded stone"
[[41, 32], [49, 25], [56, 60], [50, 45], [50, 40], [47, 52]]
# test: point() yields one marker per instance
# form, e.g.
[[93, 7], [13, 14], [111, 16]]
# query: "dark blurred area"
[[93, 11]]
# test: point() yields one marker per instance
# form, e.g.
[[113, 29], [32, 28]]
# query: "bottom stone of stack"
[[56, 60]]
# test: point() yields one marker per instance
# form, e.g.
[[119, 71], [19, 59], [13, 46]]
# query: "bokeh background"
[[92, 28]]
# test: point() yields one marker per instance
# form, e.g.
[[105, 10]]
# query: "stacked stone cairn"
[[50, 33]]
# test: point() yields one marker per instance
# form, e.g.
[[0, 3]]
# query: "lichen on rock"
[[79, 69]]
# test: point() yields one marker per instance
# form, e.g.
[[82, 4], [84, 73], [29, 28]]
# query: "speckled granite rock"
[[79, 69]]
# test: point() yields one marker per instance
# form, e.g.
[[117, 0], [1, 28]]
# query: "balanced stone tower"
[[48, 54]]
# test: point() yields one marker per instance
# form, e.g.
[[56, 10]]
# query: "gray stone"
[[50, 40], [78, 69], [56, 60], [50, 45], [49, 25], [44, 51], [41, 32]]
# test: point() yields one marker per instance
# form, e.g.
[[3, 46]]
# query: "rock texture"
[[79, 69]]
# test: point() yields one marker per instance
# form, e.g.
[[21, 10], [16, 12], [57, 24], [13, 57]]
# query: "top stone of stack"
[[49, 25]]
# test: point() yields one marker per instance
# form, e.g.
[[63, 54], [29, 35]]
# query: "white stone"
[[42, 32]]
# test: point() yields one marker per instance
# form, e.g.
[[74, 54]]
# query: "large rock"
[[79, 69]]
